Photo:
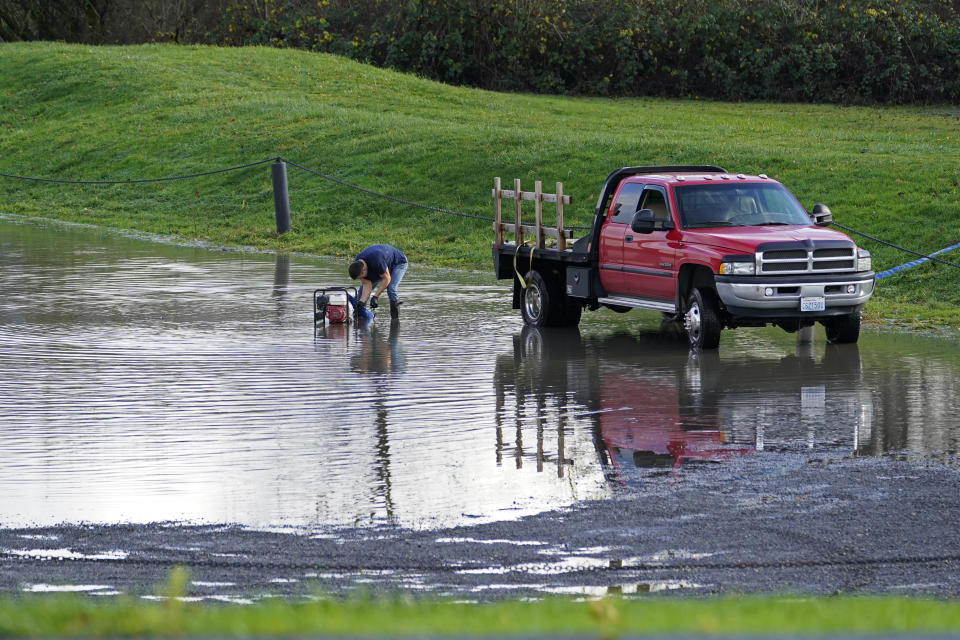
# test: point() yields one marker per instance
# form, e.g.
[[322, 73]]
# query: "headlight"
[[863, 260], [738, 268]]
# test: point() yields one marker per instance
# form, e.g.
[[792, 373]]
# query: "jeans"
[[396, 275]]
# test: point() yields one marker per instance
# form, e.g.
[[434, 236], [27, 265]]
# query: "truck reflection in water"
[[652, 405]]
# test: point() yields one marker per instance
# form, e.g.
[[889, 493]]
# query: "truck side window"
[[627, 201], [653, 199]]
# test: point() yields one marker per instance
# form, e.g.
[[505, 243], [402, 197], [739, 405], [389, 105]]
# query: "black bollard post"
[[281, 198]]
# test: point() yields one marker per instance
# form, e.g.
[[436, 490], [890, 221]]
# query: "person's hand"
[[373, 302], [361, 305]]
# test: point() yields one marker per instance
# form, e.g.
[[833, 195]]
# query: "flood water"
[[145, 382]]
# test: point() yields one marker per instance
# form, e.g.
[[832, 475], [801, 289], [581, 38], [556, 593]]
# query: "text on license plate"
[[817, 303]]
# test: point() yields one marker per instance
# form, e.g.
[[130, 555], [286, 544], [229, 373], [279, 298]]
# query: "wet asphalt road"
[[774, 524]]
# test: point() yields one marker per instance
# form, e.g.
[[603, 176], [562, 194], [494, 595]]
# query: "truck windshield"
[[737, 205]]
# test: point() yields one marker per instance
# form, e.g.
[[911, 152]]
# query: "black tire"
[[543, 304], [702, 319], [843, 329], [535, 301]]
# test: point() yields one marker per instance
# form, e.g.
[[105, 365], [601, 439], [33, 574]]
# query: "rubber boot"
[[395, 309]]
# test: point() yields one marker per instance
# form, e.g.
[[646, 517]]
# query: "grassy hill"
[[127, 113]]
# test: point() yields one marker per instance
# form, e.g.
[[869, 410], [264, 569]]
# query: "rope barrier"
[[923, 257], [395, 199], [330, 178], [140, 181], [399, 200], [408, 203], [899, 248]]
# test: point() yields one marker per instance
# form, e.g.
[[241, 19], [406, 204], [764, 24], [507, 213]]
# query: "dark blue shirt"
[[379, 258]]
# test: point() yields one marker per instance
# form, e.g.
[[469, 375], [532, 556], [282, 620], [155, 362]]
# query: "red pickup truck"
[[708, 249]]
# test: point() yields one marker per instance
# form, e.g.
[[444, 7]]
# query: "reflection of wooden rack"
[[538, 197], [539, 419]]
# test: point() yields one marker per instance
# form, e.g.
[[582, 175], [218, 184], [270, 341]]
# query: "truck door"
[[649, 259], [612, 233]]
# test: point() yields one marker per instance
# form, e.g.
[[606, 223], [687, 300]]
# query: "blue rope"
[[913, 263]]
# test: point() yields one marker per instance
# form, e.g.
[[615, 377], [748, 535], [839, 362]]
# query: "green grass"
[[60, 616], [101, 113]]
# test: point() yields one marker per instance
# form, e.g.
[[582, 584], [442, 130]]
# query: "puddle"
[[625, 589], [210, 598], [148, 382], [96, 589], [64, 554], [522, 543]]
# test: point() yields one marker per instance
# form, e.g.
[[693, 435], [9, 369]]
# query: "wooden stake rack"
[[538, 197]]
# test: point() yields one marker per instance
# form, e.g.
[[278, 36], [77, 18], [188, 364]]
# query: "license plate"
[[817, 303]]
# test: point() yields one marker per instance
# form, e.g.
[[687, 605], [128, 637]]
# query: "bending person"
[[379, 267]]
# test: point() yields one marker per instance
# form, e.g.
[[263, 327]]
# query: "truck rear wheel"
[[843, 329], [702, 319], [543, 304]]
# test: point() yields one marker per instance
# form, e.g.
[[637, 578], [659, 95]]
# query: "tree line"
[[847, 51]]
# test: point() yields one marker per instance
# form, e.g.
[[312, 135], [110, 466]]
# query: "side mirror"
[[821, 215], [643, 221]]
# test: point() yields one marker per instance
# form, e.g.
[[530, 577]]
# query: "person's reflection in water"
[[379, 354], [382, 358]]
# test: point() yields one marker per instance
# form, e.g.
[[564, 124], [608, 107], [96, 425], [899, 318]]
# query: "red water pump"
[[334, 305]]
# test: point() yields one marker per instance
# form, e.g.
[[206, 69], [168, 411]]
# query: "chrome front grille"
[[783, 260]]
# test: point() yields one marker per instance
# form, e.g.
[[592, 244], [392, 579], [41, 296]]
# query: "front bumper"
[[766, 296]]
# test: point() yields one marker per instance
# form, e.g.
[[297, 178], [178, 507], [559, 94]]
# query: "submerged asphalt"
[[773, 524]]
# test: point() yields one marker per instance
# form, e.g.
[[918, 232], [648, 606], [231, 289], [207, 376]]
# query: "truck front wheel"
[[702, 319], [843, 329], [543, 305]]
